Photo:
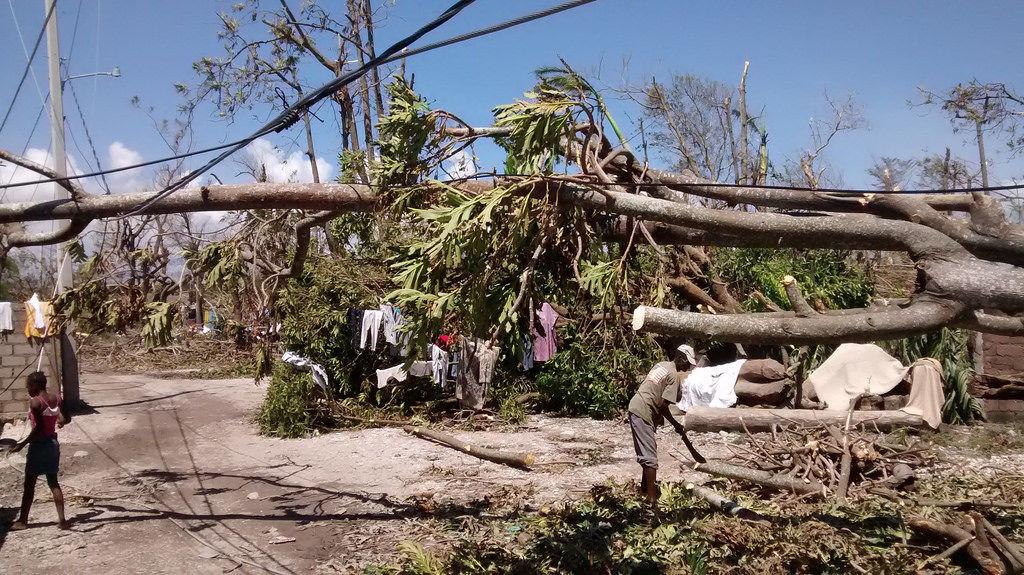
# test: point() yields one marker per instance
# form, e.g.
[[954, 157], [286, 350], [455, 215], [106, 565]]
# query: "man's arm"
[[681, 430]]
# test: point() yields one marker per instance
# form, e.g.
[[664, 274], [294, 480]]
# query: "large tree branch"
[[922, 316], [341, 197], [69, 185]]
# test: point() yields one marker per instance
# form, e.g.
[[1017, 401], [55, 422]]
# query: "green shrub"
[[589, 378], [824, 275], [288, 407]]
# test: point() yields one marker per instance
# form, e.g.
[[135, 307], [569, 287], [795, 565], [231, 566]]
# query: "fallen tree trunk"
[[754, 420], [763, 478], [520, 460]]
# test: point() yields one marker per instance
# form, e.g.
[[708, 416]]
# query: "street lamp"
[[116, 73]]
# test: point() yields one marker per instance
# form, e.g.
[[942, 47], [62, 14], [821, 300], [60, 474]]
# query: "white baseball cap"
[[688, 352]]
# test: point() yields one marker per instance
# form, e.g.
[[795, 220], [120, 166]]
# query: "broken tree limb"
[[735, 418], [756, 476], [722, 503], [1012, 551], [989, 565], [796, 298], [945, 554], [520, 460]]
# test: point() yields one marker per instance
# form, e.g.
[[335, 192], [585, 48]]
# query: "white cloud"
[[461, 165], [293, 167], [121, 155]]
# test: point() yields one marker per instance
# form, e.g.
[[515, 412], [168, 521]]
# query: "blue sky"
[[877, 51]]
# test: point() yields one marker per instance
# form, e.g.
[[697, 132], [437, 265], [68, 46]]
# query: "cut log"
[[753, 393], [520, 460], [754, 420], [756, 476], [722, 503]]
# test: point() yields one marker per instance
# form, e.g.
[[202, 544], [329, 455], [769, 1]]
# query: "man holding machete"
[[649, 408]]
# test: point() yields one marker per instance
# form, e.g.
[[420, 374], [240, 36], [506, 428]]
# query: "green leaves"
[[537, 128], [156, 328]]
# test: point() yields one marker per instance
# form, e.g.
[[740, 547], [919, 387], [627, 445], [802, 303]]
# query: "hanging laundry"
[[544, 346], [355, 324], [527, 353], [398, 373], [370, 331], [453, 365], [38, 315], [439, 364], [6, 319], [317, 370], [476, 372], [391, 318]]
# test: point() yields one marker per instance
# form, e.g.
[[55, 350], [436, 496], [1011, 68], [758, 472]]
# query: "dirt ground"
[[170, 476]]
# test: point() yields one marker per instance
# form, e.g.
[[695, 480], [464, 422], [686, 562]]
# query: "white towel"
[[370, 329], [713, 386], [317, 370], [6, 322], [384, 376], [37, 311]]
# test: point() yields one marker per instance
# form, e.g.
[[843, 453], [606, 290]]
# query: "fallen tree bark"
[[763, 478], [722, 503], [754, 420], [520, 460]]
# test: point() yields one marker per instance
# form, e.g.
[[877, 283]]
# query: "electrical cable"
[[463, 37], [88, 138], [291, 114], [28, 66]]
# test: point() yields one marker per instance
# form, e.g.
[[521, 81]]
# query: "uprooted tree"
[[493, 233]]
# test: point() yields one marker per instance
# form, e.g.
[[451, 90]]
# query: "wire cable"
[[291, 114], [28, 66], [455, 39], [88, 138]]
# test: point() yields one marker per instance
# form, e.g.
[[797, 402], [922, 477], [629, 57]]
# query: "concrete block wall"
[[1002, 355], [19, 356]]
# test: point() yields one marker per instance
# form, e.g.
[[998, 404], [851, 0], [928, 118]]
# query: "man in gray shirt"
[[648, 409]]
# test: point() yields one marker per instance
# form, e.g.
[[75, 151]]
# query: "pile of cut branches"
[[861, 464], [839, 462]]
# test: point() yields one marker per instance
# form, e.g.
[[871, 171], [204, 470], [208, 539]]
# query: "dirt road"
[[177, 480]]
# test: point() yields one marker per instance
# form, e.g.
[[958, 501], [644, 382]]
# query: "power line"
[[434, 46], [291, 114], [88, 138], [28, 66]]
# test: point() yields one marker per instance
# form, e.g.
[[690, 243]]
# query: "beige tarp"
[[854, 369], [926, 395]]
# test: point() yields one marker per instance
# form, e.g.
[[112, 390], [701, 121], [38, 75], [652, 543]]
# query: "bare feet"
[[18, 526], [64, 525]]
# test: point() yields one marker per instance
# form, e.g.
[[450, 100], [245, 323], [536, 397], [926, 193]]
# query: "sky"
[[877, 51]]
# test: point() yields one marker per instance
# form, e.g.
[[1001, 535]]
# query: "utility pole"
[[68, 358]]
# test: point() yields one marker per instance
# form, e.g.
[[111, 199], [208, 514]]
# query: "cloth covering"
[[926, 392], [391, 318], [650, 396], [544, 346], [712, 386], [317, 370], [6, 319], [369, 332], [854, 369], [527, 353]]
